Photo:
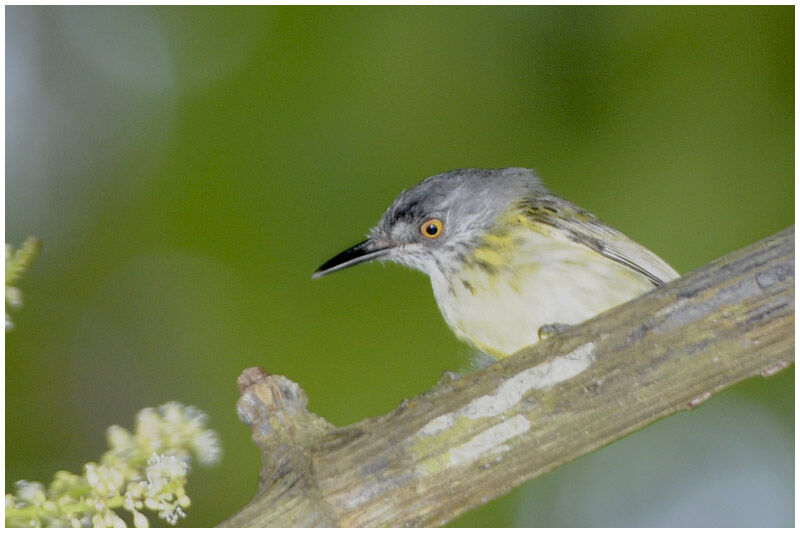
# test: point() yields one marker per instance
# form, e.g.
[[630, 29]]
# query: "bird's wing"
[[585, 228]]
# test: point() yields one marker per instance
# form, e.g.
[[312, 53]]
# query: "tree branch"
[[472, 439]]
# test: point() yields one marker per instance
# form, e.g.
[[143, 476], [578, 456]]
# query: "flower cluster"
[[17, 261], [142, 471]]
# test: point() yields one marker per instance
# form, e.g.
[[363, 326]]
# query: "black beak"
[[361, 252]]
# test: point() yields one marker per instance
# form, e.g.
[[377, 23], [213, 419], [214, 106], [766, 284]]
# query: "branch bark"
[[472, 439]]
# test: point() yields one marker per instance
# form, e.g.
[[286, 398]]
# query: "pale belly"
[[501, 312]]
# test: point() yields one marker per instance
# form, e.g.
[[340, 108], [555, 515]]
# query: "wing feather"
[[585, 228]]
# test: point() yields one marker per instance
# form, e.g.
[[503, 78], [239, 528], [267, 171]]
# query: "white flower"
[[148, 429], [30, 493], [114, 520], [207, 447], [139, 520], [165, 467], [173, 515], [119, 438], [13, 297], [106, 481]]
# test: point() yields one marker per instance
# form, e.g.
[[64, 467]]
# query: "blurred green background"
[[188, 168]]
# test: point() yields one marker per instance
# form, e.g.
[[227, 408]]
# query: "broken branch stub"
[[275, 409]]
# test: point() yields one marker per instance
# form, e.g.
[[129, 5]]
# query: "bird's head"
[[432, 226]]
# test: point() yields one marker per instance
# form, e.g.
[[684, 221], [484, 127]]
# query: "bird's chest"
[[498, 300]]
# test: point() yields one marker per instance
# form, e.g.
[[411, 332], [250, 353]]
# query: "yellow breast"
[[520, 279]]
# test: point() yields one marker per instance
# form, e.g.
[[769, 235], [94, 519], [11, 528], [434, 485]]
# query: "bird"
[[510, 262]]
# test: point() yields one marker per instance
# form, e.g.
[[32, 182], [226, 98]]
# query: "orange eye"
[[432, 228]]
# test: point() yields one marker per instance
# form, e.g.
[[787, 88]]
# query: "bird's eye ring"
[[432, 228]]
